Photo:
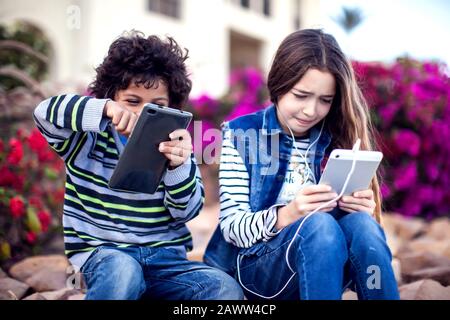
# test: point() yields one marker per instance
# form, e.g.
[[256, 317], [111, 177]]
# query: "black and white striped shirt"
[[240, 226]]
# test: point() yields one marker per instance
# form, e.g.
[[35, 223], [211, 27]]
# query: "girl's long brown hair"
[[349, 116]]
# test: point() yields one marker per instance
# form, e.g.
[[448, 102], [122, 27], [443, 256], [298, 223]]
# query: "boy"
[[130, 245]]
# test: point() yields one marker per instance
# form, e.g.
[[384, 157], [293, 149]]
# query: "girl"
[[130, 245], [270, 164]]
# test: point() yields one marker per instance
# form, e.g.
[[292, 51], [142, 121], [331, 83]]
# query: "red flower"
[[45, 219], [6, 177], [2, 146], [17, 207], [36, 202], [31, 237], [36, 141], [16, 152]]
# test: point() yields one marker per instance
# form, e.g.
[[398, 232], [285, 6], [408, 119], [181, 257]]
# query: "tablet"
[[339, 165], [141, 165]]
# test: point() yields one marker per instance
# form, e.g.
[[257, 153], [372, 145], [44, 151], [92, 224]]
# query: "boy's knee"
[[221, 286], [117, 274]]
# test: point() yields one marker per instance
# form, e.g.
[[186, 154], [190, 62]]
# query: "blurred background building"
[[221, 35]]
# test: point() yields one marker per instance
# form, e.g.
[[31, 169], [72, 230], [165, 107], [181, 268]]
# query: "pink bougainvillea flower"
[[241, 110], [406, 176], [205, 106], [408, 141]]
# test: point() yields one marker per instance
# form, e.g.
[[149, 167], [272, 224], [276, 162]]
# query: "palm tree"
[[349, 18]]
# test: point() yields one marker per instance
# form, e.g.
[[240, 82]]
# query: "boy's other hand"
[[179, 149], [123, 119]]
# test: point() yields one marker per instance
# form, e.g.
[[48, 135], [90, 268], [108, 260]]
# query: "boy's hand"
[[123, 119], [359, 201], [308, 199], [179, 149]]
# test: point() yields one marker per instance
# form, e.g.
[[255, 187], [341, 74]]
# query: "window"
[[169, 8], [266, 7], [262, 7], [245, 3]]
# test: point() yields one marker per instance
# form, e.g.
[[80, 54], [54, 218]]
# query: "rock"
[[349, 295], [404, 228], [396, 267], [79, 296], [394, 243], [11, 289], [35, 296], [427, 244], [440, 274], [42, 273], [63, 294], [424, 290], [439, 229], [414, 261]]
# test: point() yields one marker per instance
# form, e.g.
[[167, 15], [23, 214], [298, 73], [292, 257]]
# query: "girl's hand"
[[307, 199], [179, 149], [359, 201], [123, 119]]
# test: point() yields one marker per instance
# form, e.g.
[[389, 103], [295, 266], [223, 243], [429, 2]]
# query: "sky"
[[393, 28]]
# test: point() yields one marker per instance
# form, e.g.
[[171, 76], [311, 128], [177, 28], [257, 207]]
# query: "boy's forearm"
[[63, 114]]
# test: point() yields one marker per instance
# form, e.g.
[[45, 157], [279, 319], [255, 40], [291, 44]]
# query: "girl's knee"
[[362, 225], [323, 230]]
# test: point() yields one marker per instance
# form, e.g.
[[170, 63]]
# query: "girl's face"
[[135, 97], [307, 103]]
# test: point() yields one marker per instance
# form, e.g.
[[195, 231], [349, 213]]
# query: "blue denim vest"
[[265, 150]]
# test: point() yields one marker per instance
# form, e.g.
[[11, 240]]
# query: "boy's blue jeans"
[[333, 251], [154, 273]]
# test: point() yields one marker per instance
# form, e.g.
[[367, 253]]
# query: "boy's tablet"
[[339, 165], [141, 165]]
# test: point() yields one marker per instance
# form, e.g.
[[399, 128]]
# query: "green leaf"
[[51, 173], [32, 221], [5, 250]]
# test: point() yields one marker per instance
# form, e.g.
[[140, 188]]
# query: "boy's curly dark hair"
[[145, 61]]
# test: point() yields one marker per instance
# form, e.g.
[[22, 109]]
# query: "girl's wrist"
[[285, 216]]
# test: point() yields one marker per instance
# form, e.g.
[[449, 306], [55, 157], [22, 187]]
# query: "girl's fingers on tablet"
[[355, 208], [364, 194], [320, 197], [358, 201], [348, 210]]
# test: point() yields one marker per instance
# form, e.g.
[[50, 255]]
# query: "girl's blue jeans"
[[333, 251], [154, 273]]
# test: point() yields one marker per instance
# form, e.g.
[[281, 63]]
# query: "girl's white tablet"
[[339, 165]]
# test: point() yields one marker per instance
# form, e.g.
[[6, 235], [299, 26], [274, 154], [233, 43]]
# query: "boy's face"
[[135, 97]]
